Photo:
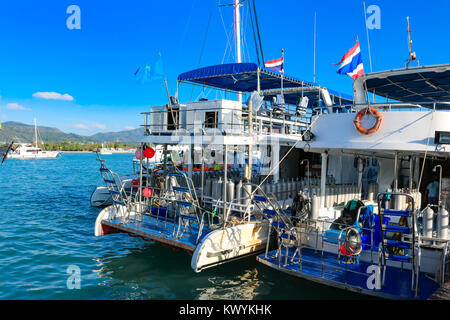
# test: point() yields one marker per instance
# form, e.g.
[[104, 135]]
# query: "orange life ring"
[[362, 113]]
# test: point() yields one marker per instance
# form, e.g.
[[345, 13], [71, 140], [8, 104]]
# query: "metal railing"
[[225, 121], [383, 106]]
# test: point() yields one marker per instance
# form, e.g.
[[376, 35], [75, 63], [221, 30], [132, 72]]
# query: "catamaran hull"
[[226, 244], [101, 197], [101, 229]]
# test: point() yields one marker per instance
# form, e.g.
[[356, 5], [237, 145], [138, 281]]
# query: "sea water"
[[48, 249]]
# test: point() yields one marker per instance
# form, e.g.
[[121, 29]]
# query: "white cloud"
[[16, 106], [99, 126], [53, 96], [129, 128], [81, 126]]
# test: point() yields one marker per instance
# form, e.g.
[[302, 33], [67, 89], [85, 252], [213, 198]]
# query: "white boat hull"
[[43, 155], [101, 197], [231, 243]]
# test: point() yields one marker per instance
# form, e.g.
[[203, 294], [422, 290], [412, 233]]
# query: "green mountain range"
[[24, 133]]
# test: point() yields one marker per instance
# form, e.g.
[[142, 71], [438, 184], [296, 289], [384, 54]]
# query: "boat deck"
[[358, 277], [158, 230]]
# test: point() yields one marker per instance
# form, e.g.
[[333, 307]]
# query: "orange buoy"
[[372, 111]]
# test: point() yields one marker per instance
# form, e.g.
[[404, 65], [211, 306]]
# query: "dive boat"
[[388, 239], [215, 197]]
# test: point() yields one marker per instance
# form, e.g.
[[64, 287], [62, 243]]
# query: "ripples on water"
[[47, 225]]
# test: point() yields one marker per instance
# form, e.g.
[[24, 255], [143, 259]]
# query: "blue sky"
[[89, 72]]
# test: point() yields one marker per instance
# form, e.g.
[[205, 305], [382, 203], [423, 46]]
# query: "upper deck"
[[281, 108], [411, 123]]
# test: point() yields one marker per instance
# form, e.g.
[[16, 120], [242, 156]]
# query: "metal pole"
[[250, 133], [360, 174], [368, 42], [35, 132], [224, 185], [237, 16], [323, 179], [395, 172], [203, 173], [314, 62]]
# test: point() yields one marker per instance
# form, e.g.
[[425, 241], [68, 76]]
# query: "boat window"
[[211, 119], [172, 119]]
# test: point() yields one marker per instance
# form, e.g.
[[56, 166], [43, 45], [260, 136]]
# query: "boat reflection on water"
[[241, 287], [155, 272]]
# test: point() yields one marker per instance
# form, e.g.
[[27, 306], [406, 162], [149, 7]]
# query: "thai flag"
[[275, 65], [351, 63]]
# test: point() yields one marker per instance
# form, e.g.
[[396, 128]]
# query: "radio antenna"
[[412, 55]]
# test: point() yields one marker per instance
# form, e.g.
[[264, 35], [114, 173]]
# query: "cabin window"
[[173, 119], [211, 119]]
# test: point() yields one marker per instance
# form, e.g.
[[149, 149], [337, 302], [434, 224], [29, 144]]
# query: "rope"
[[204, 39], [254, 35], [257, 28]]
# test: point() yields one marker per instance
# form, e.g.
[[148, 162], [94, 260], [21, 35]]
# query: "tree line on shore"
[[78, 146]]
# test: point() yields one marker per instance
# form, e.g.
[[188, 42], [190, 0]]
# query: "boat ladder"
[[116, 189], [411, 248], [279, 222], [187, 205]]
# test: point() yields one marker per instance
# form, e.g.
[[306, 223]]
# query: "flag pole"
[[368, 42], [282, 69], [368, 39], [314, 62]]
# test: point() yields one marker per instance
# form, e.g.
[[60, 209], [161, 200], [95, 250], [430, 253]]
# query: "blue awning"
[[243, 77], [414, 85], [240, 77]]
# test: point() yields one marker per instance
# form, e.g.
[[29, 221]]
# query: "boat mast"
[[314, 60], [35, 133], [237, 20]]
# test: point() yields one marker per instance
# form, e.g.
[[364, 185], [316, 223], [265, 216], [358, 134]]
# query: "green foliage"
[[78, 146]]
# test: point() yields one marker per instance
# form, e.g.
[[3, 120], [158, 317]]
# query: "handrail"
[[382, 105]]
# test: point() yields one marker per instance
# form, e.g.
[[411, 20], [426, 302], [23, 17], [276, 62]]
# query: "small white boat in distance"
[[28, 151], [104, 150]]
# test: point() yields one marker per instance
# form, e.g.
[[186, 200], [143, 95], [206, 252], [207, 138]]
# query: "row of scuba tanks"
[[284, 189]]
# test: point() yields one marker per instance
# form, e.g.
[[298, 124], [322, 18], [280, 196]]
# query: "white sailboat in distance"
[[28, 151]]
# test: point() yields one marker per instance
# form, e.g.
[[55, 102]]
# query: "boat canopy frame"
[[249, 77], [429, 84]]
